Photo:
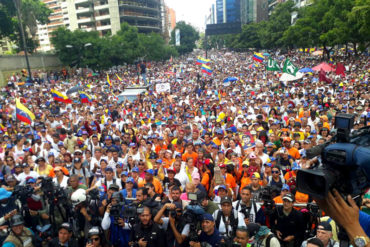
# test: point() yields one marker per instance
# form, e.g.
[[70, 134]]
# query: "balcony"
[[102, 17], [83, 10], [134, 5], [82, 1], [142, 17], [99, 7], [106, 27], [85, 20]]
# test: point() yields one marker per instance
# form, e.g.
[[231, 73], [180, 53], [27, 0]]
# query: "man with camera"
[[147, 233], [209, 235], [114, 221], [176, 229], [246, 206], [19, 235], [228, 219]]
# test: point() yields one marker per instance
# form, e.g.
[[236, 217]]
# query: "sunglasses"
[[275, 171]]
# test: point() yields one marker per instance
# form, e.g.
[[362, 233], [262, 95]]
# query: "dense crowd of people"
[[206, 155]]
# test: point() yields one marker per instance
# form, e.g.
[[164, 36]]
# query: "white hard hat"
[[78, 197]]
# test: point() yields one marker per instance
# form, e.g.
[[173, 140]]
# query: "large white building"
[[104, 16]]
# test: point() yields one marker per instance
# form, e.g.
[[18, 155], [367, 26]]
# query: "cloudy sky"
[[191, 11]]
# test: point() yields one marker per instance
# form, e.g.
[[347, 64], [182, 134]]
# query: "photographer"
[[19, 235], [176, 229], [146, 233], [114, 221], [288, 223], [107, 198], [81, 217], [64, 238], [209, 235], [246, 206], [228, 219]]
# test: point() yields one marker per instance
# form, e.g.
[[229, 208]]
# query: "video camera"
[[267, 198], [193, 214], [345, 164]]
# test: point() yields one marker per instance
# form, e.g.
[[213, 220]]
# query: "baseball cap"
[[135, 169], [109, 169], [289, 197], [285, 187], [207, 216], [158, 161], [256, 175], [66, 226], [325, 226], [171, 170], [114, 187], [225, 199], [252, 156], [150, 171], [130, 180]]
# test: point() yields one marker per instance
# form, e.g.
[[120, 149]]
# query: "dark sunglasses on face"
[[275, 171]]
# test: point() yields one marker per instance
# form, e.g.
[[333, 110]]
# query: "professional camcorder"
[[345, 163]]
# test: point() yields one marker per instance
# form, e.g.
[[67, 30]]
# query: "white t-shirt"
[[222, 226]]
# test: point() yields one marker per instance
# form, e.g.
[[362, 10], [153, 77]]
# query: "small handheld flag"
[[258, 57], [272, 65], [58, 96], [289, 67], [206, 69], [119, 78], [22, 112], [202, 60], [108, 81], [84, 97]]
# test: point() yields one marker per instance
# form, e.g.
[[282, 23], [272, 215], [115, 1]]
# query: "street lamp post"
[[17, 4]]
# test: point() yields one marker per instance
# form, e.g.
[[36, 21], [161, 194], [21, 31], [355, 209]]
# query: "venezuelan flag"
[[58, 96], [206, 69], [84, 97], [202, 60], [22, 112], [119, 78], [108, 81], [258, 57]]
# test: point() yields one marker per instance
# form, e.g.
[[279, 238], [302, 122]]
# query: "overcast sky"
[[191, 11]]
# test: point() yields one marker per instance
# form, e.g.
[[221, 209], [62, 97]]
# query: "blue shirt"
[[365, 222], [213, 239]]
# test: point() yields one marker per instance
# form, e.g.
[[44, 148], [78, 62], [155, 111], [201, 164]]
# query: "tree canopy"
[[188, 37], [88, 49]]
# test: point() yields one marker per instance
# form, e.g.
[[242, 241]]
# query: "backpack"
[[268, 239]]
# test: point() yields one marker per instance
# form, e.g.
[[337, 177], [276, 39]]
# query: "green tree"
[[125, 45], [248, 38], [7, 23], [359, 20], [153, 47], [33, 12], [270, 32], [188, 37]]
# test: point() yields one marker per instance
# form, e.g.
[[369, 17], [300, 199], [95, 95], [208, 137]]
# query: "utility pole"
[[17, 4]]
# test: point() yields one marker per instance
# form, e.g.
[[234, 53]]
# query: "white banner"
[[177, 37], [163, 88]]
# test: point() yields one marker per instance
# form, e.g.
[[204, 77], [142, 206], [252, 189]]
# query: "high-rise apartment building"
[[227, 11], [253, 10], [104, 16]]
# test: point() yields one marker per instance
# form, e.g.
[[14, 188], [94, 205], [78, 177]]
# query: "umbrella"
[[323, 66], [289, 77], [230, 79], [306, 70], [266, 54], [74, 89], [317, 53]]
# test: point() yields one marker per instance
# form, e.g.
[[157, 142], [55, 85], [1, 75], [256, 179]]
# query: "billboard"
[[224, 28], [177, 37]]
